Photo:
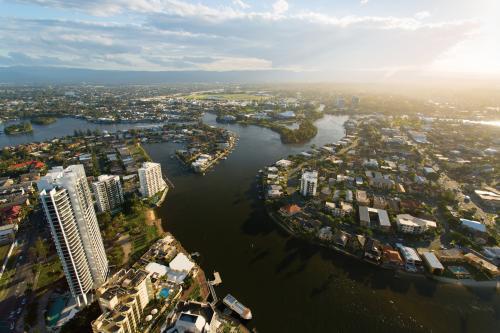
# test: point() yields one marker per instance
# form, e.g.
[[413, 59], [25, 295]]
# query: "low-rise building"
[[369, 216], [413, 225], [122, 300], [391, 257], [482, 264], [290, 210], [409, 254], [432, 263], [379, 202], [7, 234], [325, 233], [488, 198], [362, 198], [373, 249], [474, 226]]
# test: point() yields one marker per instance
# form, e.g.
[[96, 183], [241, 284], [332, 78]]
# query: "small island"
[[43, 120], [303, 134], [22, 128]]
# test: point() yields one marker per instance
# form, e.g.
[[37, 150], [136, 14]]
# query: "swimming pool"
[[164, 293]]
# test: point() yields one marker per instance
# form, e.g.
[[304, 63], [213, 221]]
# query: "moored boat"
[[231, 302]]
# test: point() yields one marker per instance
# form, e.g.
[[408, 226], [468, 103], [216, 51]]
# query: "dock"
[[215, 282], [217, 279], [169, 182]]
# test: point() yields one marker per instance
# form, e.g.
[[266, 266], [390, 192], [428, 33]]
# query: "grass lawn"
[[9, 269], [229, 97], [3, 252], [50, 272], [143, 242], [138, 153]]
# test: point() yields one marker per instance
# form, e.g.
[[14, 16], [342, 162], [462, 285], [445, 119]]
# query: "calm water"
[[62, 127], [290, 285]]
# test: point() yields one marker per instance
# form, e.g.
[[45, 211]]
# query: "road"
[[13, 300], [448, 183]]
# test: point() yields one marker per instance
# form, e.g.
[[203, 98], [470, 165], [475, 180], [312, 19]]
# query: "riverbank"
[[202, 159], [399, 272]]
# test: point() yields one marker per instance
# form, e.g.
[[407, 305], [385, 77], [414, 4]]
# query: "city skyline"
[[366, 39]]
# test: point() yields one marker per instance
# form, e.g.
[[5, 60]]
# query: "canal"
[[291, 285]]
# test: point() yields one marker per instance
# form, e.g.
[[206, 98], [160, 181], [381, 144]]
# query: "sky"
[[358, 36]]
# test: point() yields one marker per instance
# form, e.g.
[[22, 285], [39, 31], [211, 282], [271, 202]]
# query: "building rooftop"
[[432, 260], [474, 225]]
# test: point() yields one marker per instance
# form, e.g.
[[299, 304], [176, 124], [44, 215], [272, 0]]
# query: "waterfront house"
[[356, 244], [432, 263], [482, 264], [340, 238], [325, 233], [409, 254], [493, 254], [373, 249], [290, 210], [391, 257], [283, 164]]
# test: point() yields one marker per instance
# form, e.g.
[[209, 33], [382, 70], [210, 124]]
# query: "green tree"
[[41, 249]]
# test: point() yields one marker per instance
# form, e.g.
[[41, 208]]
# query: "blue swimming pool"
[[164, 293]]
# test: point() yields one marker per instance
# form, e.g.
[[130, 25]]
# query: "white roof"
[[153, 267], [409, 253], [475, 225], [283, 163], [407, 219], [181, 263]]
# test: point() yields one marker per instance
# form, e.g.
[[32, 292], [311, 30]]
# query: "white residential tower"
[[67, 204], [108, 193], [151, 180], [309, 183]]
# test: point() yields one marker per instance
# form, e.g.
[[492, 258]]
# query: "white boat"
[[237, 307]]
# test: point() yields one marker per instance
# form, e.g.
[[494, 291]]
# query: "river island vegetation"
[[43, 120], [22, 128]]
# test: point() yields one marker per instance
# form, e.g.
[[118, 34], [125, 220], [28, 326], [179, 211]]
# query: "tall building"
[[355, 101], [108, 192], [67, 203], [309, 183], [340, 102], [151, 179]]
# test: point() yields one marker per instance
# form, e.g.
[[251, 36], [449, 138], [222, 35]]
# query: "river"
[[62, 127], [290, 285]]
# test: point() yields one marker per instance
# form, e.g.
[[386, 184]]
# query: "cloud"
[[241, 4], [280, 7], [175, 34], [422, 15], [21, 59], [364, 2]]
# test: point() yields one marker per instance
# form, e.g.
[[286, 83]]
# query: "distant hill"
[[58, 75]]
